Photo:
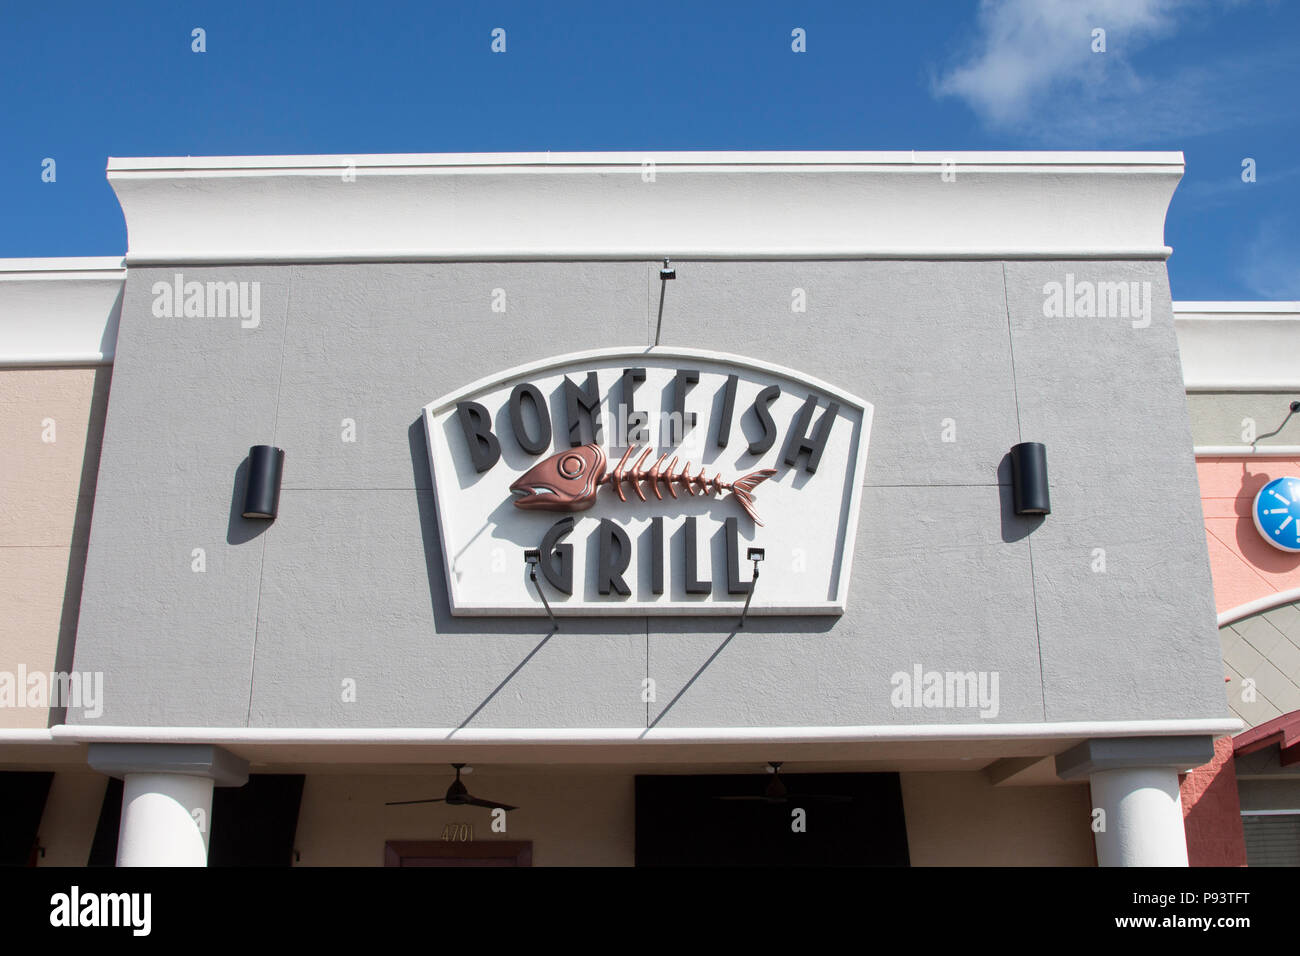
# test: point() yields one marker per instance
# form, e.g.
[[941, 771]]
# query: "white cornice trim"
[[1247, 451], [636, 158], [1245, 310], [1258, 606], [1239, 346], [700, 205], [55, 359], [59, 312], [1243, 384], [570, 253], [62, 267], [81, 733]]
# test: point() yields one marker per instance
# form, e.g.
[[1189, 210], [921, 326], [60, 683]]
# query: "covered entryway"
[[807, 819]]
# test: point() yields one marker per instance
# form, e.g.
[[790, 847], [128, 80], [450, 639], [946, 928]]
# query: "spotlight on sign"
[[755, 555], [667, 272], [262, 496], [1029, 478], [532, 558]]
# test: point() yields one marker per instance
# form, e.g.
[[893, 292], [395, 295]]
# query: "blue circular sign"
[[1277, 513]]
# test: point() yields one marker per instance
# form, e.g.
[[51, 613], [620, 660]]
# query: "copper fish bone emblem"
[[569, 480]]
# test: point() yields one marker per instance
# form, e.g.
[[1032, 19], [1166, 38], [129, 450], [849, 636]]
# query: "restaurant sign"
[[644, 476]]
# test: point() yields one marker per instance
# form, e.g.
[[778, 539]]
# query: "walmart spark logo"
[[1277, 513]]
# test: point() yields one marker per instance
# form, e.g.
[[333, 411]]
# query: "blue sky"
[[1218, 79]]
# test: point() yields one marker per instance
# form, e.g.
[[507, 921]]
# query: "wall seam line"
[[261, 567], [1029, 540]]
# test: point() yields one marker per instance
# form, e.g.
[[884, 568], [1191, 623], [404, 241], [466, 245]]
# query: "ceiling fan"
[[457, 796], [776, 792]]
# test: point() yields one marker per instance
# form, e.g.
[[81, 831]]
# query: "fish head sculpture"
[[567, 481]]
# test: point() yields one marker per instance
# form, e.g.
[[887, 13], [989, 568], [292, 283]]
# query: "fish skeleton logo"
[[520, 461], [567, 481]]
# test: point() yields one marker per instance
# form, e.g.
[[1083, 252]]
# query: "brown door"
[[445, 853]]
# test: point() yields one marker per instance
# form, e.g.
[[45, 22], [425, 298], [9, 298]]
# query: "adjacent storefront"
[[609, 509], [1244, 401]]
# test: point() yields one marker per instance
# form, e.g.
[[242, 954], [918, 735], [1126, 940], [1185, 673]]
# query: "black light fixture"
[[756, 555], [532, 558], [1029, 478], [265, 466], [666, 273]]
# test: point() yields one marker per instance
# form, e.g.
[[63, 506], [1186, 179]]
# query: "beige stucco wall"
[[586, 818], [960, 819], [45, 511], [574, 818]]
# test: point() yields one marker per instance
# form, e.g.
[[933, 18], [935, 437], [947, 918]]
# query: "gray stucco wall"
[[348, 582]]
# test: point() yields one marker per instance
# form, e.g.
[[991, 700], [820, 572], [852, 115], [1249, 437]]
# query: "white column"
[[166, 818], [1144, 817]]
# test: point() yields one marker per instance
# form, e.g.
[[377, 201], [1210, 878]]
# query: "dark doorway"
[[103, 849], [851, 819], [255, 825], [22, 803]]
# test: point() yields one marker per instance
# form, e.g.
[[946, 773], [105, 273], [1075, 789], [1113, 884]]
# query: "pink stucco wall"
[[1212, 811], [1244, 566]]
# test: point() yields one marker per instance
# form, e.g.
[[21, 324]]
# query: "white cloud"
[[1270, 264], [1026, 50]]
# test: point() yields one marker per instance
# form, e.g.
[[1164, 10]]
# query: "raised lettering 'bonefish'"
[[569, 480]]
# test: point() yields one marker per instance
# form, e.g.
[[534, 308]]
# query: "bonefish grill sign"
[[643, 476]]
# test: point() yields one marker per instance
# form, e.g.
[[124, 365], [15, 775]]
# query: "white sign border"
[[647, 609]]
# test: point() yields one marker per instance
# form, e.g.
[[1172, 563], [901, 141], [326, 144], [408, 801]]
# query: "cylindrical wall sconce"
[[1029, 478], [265, 465]]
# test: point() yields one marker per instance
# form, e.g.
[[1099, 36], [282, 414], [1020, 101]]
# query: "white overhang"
[[631, 205], [948, 746], [1239, 346], [59, 311]]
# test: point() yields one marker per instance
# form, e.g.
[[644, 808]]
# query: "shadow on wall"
[[443, 621], [71, 611], [650, 724], [108, 341], [1252, 547], [241, 530], [571, 628], [1014, 527]]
